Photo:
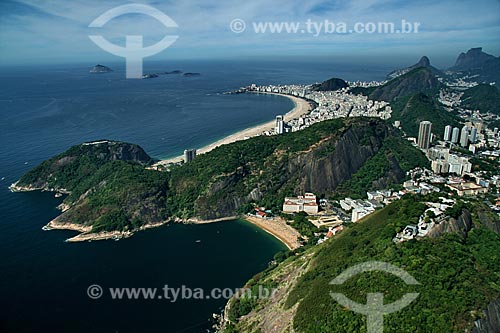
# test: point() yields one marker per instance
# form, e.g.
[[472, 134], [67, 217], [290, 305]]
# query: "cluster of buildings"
[[261, 212], [377, 199], [342, 104], [329, 105], [332, 231], [460, 83], [443, 161], [359, 208], [468, 134]]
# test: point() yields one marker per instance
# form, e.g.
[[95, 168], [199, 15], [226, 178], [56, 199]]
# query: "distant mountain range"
[[481, 66]]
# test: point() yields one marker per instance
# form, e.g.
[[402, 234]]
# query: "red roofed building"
[[306, 203]]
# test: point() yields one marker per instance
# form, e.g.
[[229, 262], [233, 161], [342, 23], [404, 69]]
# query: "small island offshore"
[[100, 69]]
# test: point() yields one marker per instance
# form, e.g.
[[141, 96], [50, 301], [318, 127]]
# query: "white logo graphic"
[[133, 52], [375, 309]]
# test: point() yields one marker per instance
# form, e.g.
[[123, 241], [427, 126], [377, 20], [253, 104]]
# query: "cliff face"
[[491, 321], [348, 154], [460, 226]]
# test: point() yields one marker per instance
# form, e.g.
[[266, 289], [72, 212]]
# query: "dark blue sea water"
[[45, 110]]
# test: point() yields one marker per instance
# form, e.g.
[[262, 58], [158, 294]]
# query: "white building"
[[306, 203], [360, 212], [447, 133], [280, 125], [424, 134], [455, 135]]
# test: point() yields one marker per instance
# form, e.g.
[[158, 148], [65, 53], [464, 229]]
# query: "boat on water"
[[198, 241], [58, 195], [46, 228]]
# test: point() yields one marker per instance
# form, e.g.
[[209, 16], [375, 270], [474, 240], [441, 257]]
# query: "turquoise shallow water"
[[44, 111]]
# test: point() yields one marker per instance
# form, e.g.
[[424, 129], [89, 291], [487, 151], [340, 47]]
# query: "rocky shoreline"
[[86, 233], [16, 188]]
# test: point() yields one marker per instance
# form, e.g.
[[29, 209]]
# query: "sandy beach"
[[301, 107], [279, 229]]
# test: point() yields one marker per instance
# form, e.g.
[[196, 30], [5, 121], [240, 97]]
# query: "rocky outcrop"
[[490, 323], [330, 85], [461, 226], [488, 219]]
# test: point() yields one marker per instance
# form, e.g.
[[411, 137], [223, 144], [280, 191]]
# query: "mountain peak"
[[474, 58], [424, 62]]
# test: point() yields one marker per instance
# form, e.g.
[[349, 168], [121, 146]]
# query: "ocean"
[[44, 110]]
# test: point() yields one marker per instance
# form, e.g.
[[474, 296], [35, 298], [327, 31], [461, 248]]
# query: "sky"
[[55, 31]]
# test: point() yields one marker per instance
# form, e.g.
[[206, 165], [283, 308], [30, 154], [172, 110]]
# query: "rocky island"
[[191, 74], [100, 69]]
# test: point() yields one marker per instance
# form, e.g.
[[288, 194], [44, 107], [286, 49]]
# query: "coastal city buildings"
[[424, 134], [189, 155], [327, 105]]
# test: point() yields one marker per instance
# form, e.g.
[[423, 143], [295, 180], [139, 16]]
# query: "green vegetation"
[[483, 164], [458, 277], [302, 224], [69, 169], [411, 110], [122, 196], [418, 80], [483, 97]]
